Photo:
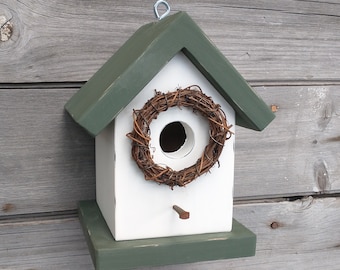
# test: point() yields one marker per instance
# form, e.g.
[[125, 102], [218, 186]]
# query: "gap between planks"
[[286, 11], [59, 216], [38, 218], [253, 83]]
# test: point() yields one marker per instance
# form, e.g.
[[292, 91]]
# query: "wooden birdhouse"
[[163, 111]]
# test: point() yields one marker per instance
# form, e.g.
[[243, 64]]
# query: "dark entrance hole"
[[172, 137]]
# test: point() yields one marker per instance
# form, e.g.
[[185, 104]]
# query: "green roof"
[[142, 56]]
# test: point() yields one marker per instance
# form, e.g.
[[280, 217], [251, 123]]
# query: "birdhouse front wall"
[[135, 208]]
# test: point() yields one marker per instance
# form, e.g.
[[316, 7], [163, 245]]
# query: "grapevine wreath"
[[192, 97]]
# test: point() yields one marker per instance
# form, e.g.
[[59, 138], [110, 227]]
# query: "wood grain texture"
[[298, 153], [47, 161], [289, 49], [54, 41], [43, 244], [304, 237]]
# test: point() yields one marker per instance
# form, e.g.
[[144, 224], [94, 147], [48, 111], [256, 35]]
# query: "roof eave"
[[126, 73]]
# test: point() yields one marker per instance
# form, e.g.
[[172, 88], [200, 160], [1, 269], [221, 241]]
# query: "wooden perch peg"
[[182, 213]]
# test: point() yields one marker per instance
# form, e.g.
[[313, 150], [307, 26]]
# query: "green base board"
[[108, 254]]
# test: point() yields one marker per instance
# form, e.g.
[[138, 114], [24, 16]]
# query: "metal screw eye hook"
[[155, 9]]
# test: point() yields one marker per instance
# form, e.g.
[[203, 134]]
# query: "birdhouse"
[[163, 111]]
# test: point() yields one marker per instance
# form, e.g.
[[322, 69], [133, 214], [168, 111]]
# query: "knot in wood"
[[6, 28], [274, 225]]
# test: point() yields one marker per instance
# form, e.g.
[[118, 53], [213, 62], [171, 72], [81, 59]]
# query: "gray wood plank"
[[299, 152], [265, 40], [43, 244], [291, 235], [47, 161]]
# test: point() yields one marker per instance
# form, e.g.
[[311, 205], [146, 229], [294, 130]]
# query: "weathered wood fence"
[[287, 178]]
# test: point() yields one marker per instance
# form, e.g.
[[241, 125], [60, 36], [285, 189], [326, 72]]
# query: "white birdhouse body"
[[135, 208]]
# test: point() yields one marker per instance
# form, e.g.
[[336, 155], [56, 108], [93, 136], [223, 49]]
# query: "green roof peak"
[[124, 75]]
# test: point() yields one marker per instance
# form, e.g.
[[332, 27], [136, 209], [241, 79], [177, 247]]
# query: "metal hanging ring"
[[155, 9]]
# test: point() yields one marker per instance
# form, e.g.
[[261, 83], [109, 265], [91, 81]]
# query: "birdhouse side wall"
[[105, 171]]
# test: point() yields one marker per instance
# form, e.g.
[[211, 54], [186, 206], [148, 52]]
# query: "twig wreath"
[[192, 97]]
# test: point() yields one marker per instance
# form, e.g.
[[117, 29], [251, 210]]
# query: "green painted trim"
[[149, 49], [108, 254]]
